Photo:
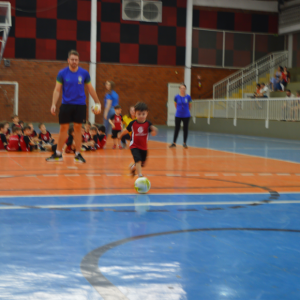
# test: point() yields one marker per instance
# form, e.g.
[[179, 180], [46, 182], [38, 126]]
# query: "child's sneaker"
[[120, 147], [55, 157], [185, 146], [79, 158], [132, 169], [114, 146], [172, 145]]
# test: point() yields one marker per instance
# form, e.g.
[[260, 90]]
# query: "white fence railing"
[[242, 81], [280, 109]]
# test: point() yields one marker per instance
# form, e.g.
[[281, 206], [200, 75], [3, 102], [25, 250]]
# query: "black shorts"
[[72, 113], [139, 155], [114, 134]]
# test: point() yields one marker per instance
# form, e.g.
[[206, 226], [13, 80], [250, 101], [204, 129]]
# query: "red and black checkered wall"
[[235, 21], [41, 33]]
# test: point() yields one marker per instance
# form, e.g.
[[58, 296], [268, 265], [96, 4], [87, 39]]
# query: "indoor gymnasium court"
[[221, 219]]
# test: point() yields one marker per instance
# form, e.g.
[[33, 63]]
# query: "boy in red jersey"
[[140, 129], [15, 119], [116, 122], [87, 136], [14, 140], [26, 142], [45, 135], [6, 124], [102, 136], [3, 141]]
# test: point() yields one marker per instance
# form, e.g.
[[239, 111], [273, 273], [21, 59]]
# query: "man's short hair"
[[141, 106], [288, 91], [117, 107], [88, 123], [73, 52], [41, 124], [14, 116], [262, 83], [2, 125]]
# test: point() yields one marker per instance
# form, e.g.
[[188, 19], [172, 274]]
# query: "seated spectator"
[[275, 81], [3, 140], [45, 136], [87, 143], [69, 146], [263, 93], [14, 140], [33, 134], [257, 91], [87, 127], [6, 124], [284, 80], [26, 143], [102, 136]]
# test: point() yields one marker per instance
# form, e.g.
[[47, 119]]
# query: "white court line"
[[71, 175], [50, 175], [209, 174], [6, 176], [283, 174], [90, 175], [139, 195], [229, 174], [247, 174], [73, 167], [190, 175], [159, 204], [265, 174], [171, 175], [112, 174]]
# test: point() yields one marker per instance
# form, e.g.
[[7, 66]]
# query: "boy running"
[[140, 129]]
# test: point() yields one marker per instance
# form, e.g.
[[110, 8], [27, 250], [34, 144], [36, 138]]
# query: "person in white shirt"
[[263, 93]]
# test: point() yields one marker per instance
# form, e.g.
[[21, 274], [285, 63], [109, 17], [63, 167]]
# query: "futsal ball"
[[142, 185], [96, 108]]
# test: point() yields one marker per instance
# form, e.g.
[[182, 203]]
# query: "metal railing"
[[280, 109], [244, 80]]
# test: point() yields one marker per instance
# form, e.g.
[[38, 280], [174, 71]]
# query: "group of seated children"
[[281, 79], [24, 138]]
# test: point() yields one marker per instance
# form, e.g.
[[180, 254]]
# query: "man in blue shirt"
[[71, 81]]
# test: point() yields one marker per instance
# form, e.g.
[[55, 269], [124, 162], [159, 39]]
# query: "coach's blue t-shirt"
[[73, 85], [113, 96], [183, 110]]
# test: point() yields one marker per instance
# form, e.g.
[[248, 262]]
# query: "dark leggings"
[[125, 137], [185, 128]]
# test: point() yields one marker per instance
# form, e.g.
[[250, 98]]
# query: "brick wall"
[[209, 77], [133, 83]]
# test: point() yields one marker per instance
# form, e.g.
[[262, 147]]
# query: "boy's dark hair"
[[27, 127], [16, 129], [70, 131], [88, 123], [21, 122], [262, 83], [94, 128], [141, 106], [41, 124], [117, 107], [101, 128], [182, 84], [288, 91], [2, 125], [258, 84], [13, 116]]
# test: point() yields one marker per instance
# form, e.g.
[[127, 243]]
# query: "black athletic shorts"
[[139, 155], [114, 134], [72, 113]]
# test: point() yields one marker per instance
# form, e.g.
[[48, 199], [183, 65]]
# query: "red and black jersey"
[[25, 143], [47, 138], [101, 140], [69, 143], [117, 120], [3, 141], [13, 144], [34, 134], [86, 137], [140, 132], [15, 125]]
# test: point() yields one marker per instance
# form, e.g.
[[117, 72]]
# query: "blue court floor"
[[156, 247]]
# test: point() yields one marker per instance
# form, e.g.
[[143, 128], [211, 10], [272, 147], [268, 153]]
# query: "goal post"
[[5, 24], [15, 96]]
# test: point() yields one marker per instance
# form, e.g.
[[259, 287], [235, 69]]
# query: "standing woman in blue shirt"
[[71, 81], [111, 99], [183, 104]]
